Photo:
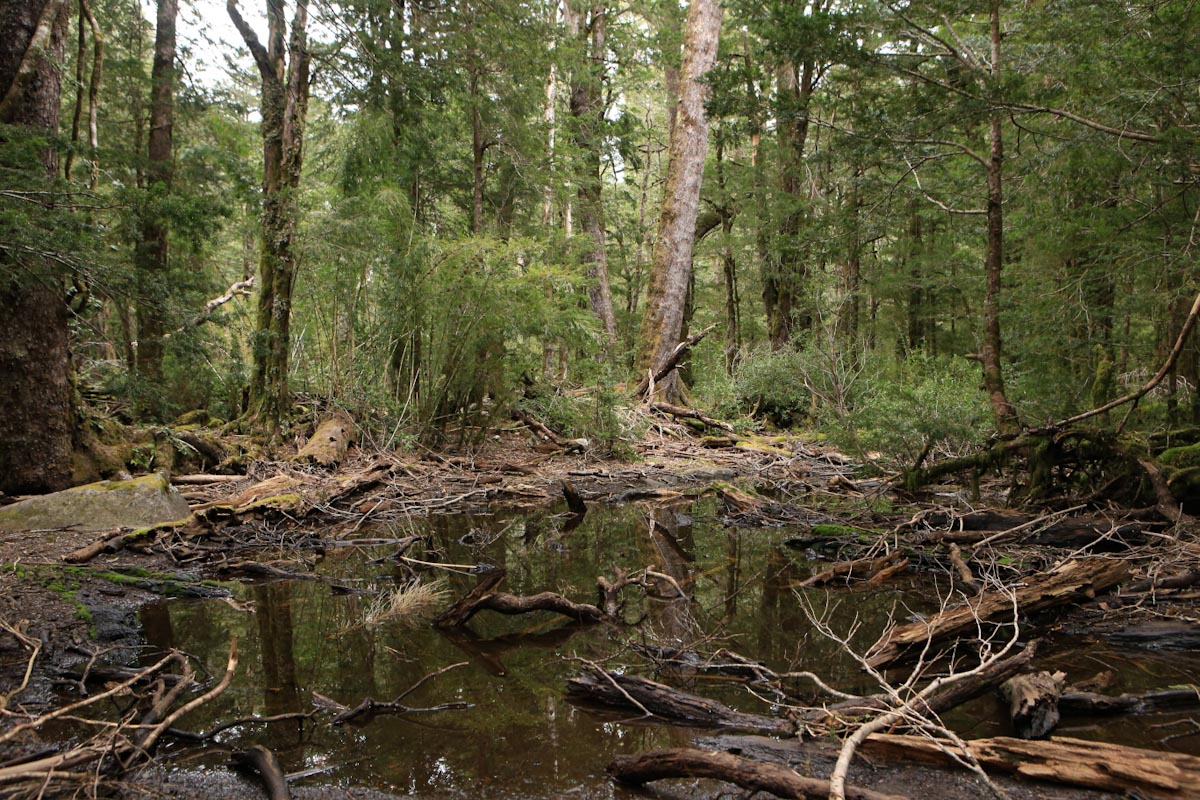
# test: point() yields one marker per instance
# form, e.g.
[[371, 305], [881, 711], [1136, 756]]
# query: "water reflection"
[[520, 739]]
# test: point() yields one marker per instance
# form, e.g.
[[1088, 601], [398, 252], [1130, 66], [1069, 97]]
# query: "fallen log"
[[1075, 702], [1074, 762], [484, 598], [668, 364], [1069, 582], [1033, 702], [330, 442], [860, 569], [755, 776], [631, 692], [962, 568]]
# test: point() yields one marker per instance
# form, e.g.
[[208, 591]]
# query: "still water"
[[520, 737]]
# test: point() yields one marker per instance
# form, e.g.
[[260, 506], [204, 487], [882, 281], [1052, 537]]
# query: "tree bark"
[[35, 385], [993, 374], [671, 266], [587, 110], [285, 74], [153, 252]]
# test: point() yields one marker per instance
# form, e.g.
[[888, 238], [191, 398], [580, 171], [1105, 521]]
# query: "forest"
[[895, 281]]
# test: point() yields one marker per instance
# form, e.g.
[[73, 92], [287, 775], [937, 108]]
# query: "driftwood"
[[331, 441], [1072, 581], [1093, 765], [262, 761], [755, 776], [484, 598], [1033, 702], [630, 692], [861, 569]]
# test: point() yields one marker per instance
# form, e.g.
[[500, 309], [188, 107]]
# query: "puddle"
[[520, 738]]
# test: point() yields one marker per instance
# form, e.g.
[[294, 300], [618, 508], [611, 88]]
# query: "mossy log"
[[331, 441], [1074, 580]]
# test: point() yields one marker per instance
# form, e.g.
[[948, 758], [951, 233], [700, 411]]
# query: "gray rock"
[[134, 503]]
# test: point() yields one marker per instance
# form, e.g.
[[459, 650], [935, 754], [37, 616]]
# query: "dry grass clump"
[[411, 603]]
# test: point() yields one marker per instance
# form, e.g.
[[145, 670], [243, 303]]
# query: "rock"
[[134, 503]]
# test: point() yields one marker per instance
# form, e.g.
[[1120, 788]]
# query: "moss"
[[1181, 457]]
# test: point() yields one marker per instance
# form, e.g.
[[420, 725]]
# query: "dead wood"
[[1078, 702], [484, 598], [964, 571], [331, 441], [1093, 765], [607, 688], [537, 426], [690, 413], [575, 500], [754, 776], [204, 479], [671, 361], [1178, 580], [262, 761], [1033, 702], [948, 697], [860, 569], [1067, 583]]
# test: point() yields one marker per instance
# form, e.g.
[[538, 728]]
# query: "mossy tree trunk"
[[284, 69], [152, 252], [36, 415], [671, 267]]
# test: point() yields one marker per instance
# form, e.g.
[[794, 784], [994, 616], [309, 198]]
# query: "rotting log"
[[484, 598], [755, 776], [331, 441], [1074, 580], [634, 693], [860, 569], [1074, 762], [575, 501], [1033, 702], [669, 363]]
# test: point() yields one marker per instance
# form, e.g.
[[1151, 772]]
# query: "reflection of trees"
[[274, 615], [156, 625], [671, 548], [779, 612]]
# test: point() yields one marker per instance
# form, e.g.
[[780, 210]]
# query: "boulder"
[[133, 503]]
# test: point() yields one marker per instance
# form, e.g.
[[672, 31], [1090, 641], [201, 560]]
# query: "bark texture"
[[152, 252], [587, 110], [662, 325], [35, 386], [283, 65]]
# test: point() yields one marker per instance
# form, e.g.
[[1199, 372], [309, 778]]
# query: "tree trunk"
[[284, 111], [587, 110], [993, 375], [671, 265], [35, 385], [152, 252]]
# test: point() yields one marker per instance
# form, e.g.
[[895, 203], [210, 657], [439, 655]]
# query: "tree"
[[35, 388], [152, 251], [671, 267], [588, 28], [285, 75]]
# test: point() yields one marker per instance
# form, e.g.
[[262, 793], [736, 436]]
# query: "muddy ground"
[[796, 481]]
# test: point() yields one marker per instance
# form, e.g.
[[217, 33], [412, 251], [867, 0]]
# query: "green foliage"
[[923, 405]]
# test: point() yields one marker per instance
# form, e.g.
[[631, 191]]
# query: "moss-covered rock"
[[134, 503]]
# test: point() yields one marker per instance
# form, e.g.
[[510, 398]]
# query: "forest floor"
[[68, 599]]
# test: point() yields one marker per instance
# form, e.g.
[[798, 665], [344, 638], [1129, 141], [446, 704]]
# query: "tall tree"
[[671, 267], [284, 69], [588, 27], [35, 386], [152, 252]]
